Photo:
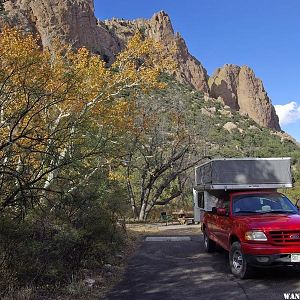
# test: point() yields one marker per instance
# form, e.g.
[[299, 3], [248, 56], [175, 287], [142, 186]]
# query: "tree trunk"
[[134, 211], [142, 214]]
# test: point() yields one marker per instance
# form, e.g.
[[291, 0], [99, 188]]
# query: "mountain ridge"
[[75, 22]]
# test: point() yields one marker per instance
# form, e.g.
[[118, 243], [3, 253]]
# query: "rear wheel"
[[238, 264], [209, 245]]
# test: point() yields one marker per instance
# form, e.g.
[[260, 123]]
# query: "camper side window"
[[201, 200]]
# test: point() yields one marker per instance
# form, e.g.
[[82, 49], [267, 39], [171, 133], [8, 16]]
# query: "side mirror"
[[221, 211]]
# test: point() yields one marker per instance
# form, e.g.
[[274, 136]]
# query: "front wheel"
[[209, 245], [238, 264]]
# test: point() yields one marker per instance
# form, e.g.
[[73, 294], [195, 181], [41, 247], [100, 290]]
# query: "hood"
[[271, 222]]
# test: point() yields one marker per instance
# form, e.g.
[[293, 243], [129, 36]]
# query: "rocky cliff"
[[237, 86], [70, 21], [159, 27], [242, 91], [74, 22]]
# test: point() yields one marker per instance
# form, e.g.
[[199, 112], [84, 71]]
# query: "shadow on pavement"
[[182, 270]]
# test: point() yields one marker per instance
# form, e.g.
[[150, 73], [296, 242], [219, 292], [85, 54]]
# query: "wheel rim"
[[237, 261]]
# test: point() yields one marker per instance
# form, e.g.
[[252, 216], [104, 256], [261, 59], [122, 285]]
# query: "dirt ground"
[[161, 228]]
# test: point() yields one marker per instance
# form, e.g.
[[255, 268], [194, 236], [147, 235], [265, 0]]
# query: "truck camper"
[[240, 209]]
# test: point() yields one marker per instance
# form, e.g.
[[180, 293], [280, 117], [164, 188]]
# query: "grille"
[[285, 237]]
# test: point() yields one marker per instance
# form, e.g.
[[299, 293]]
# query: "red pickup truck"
[[258, 228]]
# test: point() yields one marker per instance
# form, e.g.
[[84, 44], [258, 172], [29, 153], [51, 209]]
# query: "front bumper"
[[266, 254], [270, 260]]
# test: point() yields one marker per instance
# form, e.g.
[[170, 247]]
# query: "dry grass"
[[161, 228]]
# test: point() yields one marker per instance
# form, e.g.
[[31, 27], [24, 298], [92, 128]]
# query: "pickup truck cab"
[[257, 228]]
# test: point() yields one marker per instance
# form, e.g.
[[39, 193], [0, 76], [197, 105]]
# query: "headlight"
[[255, 236]]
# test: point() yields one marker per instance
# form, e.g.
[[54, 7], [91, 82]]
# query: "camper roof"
[[244, 173]]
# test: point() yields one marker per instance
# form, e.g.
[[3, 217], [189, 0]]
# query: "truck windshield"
[[262, 203]]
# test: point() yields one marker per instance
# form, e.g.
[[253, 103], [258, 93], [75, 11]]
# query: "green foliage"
[[211, 139], [52, 244], [1, 6], [63, 130], [294, 193], [119, 134]]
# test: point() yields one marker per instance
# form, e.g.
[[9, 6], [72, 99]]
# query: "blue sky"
[[263, 34]]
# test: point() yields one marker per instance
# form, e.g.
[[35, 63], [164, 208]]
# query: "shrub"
[[51, 244]]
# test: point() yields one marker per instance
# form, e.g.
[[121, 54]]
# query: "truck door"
[[223, 224]]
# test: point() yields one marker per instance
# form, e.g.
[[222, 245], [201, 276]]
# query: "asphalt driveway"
[[180, 269]]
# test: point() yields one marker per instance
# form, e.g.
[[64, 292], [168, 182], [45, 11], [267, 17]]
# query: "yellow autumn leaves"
[[78, 80], [46, 95]]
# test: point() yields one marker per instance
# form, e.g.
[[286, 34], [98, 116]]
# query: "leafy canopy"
[[53, 103]]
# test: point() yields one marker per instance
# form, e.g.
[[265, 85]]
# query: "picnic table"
[[184, 217]]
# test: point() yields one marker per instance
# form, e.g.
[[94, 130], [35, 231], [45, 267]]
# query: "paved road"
[[182, 270]]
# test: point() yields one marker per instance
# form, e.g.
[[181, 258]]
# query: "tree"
[[1, 6], [161, 153], [62, 113]]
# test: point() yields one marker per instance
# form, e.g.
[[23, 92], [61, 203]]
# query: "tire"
[[209, 245], [238, 263]]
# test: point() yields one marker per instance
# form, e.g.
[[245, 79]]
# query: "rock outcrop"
[[74, 22], [160, 28], [69, 21], [230, 126], [242, 91]]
